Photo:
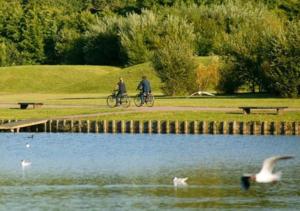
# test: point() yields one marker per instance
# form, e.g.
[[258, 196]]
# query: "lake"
[[135, 172]]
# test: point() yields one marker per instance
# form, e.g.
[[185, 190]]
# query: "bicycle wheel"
[[111, 101], [125, 101], [137, 100], [150, 100]]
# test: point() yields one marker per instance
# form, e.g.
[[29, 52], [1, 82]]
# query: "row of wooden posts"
[[167, 127]]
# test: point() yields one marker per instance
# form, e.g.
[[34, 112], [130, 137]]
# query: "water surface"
[[134, 172]]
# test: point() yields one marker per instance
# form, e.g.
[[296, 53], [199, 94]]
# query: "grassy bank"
[[76, 78], [157, 115], [72, 79]]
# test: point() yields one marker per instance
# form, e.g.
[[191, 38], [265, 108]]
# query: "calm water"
[[134, 172]]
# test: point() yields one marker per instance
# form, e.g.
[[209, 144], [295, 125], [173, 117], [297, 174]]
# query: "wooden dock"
[[16, 126]]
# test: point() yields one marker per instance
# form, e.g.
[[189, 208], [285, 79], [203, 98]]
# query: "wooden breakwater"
[[165, 127]]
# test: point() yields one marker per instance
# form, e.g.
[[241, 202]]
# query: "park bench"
[[247, 109], [24, 105]]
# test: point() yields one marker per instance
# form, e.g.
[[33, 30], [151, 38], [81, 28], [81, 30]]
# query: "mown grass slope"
[[76, 79], [71, 79]]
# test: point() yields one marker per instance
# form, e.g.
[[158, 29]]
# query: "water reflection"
[[88, 171]]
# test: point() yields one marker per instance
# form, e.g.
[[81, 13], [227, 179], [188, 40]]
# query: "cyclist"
[[145, 88], [121, 91]]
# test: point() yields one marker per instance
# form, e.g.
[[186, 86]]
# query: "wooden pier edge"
[[153, 127]]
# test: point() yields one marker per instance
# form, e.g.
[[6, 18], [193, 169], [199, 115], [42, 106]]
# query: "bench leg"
[[23, 106]]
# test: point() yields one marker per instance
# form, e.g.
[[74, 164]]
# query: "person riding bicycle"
[[121, 91], [145, 88]]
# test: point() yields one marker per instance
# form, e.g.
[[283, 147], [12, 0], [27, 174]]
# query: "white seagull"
[[180, 181], [25, 163], [27, 145], [265, 175]]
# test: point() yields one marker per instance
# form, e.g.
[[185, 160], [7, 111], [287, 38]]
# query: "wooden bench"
[[24, 105], [247, 109]]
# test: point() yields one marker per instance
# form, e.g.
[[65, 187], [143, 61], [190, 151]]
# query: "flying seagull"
[[27, 145], [179, 181], [265, 175], [25, 163]]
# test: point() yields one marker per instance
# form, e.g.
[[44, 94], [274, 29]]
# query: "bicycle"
[[148, 99], [124, 100]]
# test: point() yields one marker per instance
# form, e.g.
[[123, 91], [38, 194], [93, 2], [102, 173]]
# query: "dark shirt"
[[121, 87], [144, 85]]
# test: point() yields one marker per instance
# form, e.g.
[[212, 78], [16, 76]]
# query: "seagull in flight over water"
[[25, 163], [180, 181], [265, 175]]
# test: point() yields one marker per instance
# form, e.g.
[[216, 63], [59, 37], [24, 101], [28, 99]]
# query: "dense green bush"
[[244, 48], [282, 67], [173, 60]]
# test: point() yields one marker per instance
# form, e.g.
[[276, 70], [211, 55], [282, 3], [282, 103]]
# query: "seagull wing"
[[269, 163]]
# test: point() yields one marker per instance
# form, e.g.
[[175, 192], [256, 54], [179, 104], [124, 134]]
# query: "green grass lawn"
[[72, 79], [202, 116], [76, 78], [64, 87]]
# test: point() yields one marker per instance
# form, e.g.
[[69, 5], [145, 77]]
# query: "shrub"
[[173, 60], [282, 66], [208, 75]]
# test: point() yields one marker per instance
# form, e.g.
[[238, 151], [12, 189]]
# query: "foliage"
[[244, 49], [173, 60], [282, 66], [208, 76], [124, 33]]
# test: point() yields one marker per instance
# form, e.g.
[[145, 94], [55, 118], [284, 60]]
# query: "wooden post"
[[45, 127], [176, 127], [104, 126], [150, 126], [296, 128], [186, 127], [158, 128], [168, 126], [213, 127], [50, 125], [96, 127], [123, 126], [79, 126], [131, 126], [235, 128], [88, 126], [224, 129], [141, 126], [195, 127]]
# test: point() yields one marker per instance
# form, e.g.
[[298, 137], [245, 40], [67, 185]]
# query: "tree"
[[173, 60], [139, 36], [244, 49], [282, 66], [208, 75]]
